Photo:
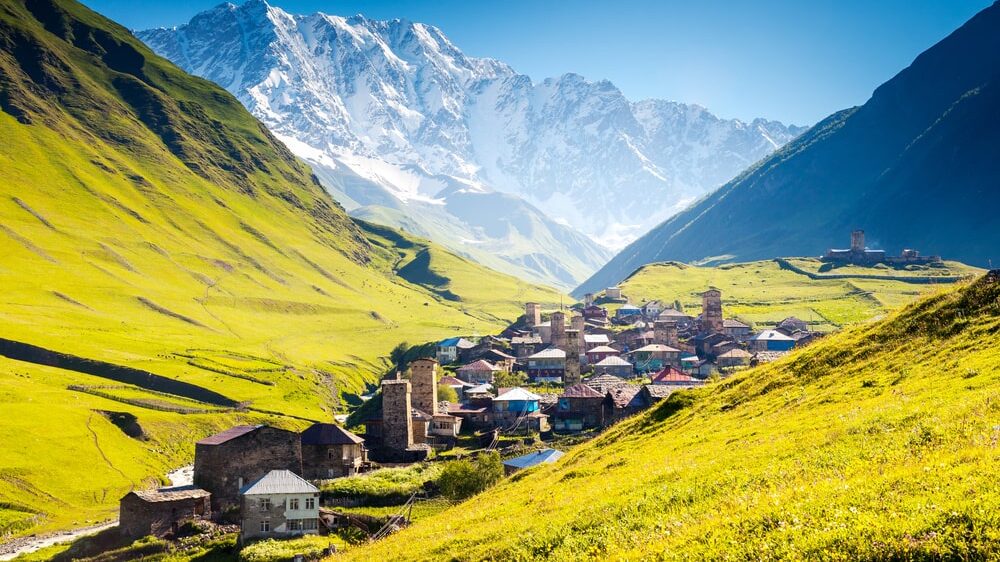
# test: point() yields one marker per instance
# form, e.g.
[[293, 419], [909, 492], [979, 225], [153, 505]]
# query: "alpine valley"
[[404, 129]]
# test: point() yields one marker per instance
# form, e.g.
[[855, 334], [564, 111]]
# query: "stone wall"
[[423, 385], [138, 518], [224, 468], [397, 422]]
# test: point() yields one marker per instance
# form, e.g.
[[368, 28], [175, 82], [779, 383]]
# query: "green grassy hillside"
[[878, 443], [764, 293], [148, 221]]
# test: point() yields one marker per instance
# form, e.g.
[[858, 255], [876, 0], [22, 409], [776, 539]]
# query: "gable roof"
[[602, 383], [581, 391], [478, 366], [329, 434], [517, 394], [672, 313], [733, 323], [612, 361], [171, 494], [657, 347], [672, 375], [734, 353], [596, 338], [623, 395], [602, 349], [229, 434], [658, 390], [449, 380], [456, 342], [498, 353], [771, 335], [549, 353], [480, 389], [534, 459], [279, 482], [525, 340]]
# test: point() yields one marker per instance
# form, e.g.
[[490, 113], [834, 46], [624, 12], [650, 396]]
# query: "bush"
[[447, 394], [275, 550], [462, 479]]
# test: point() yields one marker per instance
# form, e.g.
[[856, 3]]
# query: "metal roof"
[[549, 353], [279, 482], [517, 394], [771, 335], [478, 365], [612, 361], [534, 459], [602, 349]]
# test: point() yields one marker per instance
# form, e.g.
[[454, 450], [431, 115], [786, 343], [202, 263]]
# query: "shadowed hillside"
[[915, 167]]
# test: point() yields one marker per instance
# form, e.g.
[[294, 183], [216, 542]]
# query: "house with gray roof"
[[279, 504]]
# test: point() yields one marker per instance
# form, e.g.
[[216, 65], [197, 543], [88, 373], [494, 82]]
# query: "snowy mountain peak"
[[396, 106]]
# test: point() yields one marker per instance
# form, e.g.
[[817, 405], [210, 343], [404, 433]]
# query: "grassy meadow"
[[762, 293], [147, 220], [877, 443]]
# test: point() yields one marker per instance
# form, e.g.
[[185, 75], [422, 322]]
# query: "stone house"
[[161, 512], [330, 451], [653, 393], [675, 377], [735, 329], [623, 401], [654, 357], [734, 358], [652, 309], [771, 340], [548, 365], [449, 350], [579, 407], [524, 346], [613, 292], [615, 366], [477, 372], [598, 353], [500, 359], [517, 410], [790, 325], [279, 504], [226, 461]]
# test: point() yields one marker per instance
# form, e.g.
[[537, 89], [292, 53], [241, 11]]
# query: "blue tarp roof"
[[534, 459]]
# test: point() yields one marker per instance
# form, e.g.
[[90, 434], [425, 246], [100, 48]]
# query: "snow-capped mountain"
[[393, 115]]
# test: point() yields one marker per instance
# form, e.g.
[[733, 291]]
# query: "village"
[[550, 374]]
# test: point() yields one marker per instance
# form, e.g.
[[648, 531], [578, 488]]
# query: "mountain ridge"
[[393, 109], [914, 167]]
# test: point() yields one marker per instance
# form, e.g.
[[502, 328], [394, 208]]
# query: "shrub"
[[275, 550], [447, 394], [464, 478]]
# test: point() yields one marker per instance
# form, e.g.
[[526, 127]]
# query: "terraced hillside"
[[148, 224], [765, 292], [877, 443]]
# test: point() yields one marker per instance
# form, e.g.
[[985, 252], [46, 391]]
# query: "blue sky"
[[796, 61]]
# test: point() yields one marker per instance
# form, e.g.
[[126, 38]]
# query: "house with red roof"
[[673, 376], [478, 372]]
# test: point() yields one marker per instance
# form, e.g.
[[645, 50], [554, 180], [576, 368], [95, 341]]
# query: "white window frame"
[[293, 504]]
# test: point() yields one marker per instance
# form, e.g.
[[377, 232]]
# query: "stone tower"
[[397, 423], [558, 323], [572, 374], [578, 323], [532, 314], [423, 379], [665, 332], [711, 311], [857, 240], [588, 299]]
